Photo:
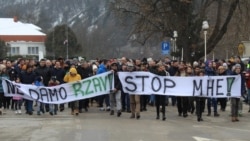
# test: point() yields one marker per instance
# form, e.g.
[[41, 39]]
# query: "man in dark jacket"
[[115, 95], [209, 71], [58, 73], [172, 71], [28, 77], [45, 73], [85, 71]]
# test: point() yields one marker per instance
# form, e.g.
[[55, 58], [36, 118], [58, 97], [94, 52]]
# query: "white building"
[[22, 38]]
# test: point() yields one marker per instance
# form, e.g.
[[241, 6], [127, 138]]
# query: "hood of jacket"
[[73, 70]]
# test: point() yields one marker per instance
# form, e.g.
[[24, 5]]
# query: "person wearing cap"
[[73, 76], [135, 105], [115, 94], [235, 101]]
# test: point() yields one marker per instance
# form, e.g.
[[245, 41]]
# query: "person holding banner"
[[45, 72], [72, 76], [85, 72], [58, 72], [182, 101], [160, 100], [53, 108], [210, 71], [200, 101], [222, 101], [135, 104], [28, 77], [40, 106], [115, 94], [236, 100]]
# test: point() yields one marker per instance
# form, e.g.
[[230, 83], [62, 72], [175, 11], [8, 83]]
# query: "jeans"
[[29, 105], [53, 108], [152, 99], [40, 107], [212, 102], [115, 100], [125, 101]]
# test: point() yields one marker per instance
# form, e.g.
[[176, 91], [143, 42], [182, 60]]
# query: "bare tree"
[[151, 18]]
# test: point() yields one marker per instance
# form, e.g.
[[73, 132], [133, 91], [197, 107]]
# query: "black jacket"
[[84, 72], [59, 73], [45, 72], [27, 78], [118, 85]]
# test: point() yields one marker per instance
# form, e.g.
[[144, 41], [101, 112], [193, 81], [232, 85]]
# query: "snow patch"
[[9, 27]]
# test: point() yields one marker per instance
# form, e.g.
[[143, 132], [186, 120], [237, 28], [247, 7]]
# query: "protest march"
[[51, 84]]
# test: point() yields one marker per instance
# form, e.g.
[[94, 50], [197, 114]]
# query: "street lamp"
[[205, 27], [9, 50], [175, 38]]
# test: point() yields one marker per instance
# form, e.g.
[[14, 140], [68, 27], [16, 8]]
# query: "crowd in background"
[[55, 72]]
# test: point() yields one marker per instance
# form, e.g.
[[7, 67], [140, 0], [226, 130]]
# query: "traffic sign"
[[165, 48]]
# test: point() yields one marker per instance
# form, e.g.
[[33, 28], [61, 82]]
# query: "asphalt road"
[[98, 125]]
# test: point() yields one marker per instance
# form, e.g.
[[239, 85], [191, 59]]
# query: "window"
[[33, 50], [15, 50]]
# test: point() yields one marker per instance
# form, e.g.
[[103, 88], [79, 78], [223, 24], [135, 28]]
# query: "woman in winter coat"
[[235, 100]]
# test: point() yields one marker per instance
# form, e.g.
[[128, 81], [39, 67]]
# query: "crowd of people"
[[55, 72]]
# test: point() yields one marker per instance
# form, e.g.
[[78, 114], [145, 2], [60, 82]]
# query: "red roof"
[[27, 38]]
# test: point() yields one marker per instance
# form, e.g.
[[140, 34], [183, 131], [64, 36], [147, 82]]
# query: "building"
[[22, 38]]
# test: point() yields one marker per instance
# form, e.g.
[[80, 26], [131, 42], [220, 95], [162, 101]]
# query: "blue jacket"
[[38, 83], [102, 68]]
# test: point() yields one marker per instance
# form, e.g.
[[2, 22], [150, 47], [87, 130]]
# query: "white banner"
[[86, 88], [147, 83]]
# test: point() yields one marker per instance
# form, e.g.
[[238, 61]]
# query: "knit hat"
[[195, 63], [225, 65], [237, 66]]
